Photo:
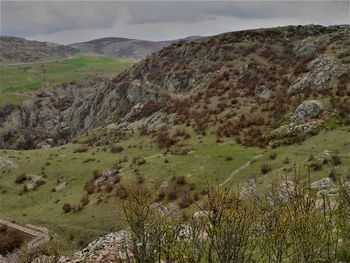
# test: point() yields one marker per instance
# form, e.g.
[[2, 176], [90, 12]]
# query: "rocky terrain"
[[259, 86], [122, 47], [20, 50]]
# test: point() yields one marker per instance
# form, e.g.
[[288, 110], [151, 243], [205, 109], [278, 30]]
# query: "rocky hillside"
[[121, 47], [17, 50], [269, 86]]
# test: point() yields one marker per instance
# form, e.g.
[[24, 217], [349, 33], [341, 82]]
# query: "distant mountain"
[[123, 47], [20, 50]]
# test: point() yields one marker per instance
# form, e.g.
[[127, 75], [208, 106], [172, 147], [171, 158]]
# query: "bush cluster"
[[283, 226]]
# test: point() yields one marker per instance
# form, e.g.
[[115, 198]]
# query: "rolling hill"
[[122, 47], [20, 50]]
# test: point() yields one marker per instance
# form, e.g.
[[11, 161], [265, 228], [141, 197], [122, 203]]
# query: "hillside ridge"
[[258, 86]]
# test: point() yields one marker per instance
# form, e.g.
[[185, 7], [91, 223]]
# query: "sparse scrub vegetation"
[[288, 227]]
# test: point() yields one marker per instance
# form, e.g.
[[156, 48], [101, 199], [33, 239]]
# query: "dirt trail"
[[40, 234], [242, 167]]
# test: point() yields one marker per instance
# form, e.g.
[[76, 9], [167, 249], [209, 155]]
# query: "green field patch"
[[21, 78], [206, 162]]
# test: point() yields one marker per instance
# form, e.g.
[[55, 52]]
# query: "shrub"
[[96, 174], [172, 194], [3, 228], [316, 165], [109, 187], [9, 241], [81, 148], [67, 208], [336, 159], [185, 201], [140, 178], [90, 186], [272, 155], [121, 192], [180, 179], [265, 168], [116, 179], [333, 175], [141, 161], [160, 196], [84, 199], [286, 160], [20, 178], [165, 140], [116, 148]]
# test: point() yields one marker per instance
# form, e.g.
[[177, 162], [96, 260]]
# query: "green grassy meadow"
[[15, 80], [206, 162]]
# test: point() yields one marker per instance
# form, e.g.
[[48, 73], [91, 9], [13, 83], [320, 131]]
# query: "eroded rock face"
[[187, 72], [323, 72], [296, 129], [307, 110], [113, 246], [309, 46]]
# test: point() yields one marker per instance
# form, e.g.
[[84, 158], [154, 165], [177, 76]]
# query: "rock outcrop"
[[307, 110], [194, 82]]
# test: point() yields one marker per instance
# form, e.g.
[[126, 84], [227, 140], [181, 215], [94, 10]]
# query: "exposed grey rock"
[[286, 190], [33, 181], [111, 246], [60, 186], [329, 192], [327, 204], [296, 129], [263, 93], [106, 176], [249, 189], [322, 71], [322, 184], [199, 214], [307, 110], [170, 210], [300, 84], [6, 164], [309, 46]]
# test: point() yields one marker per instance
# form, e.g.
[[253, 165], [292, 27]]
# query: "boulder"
[[307, 110], [321, 184], [329, 192], [295, 129], [6, 164], [263, 93], [300, 84], [113, 245], [309, 46], [33, 181], [60, 186], [249, 189]]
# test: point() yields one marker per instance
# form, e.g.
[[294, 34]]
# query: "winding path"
[[242, 167], [40, 234]]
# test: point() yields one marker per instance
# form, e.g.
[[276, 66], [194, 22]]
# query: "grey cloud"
[[73, 21]]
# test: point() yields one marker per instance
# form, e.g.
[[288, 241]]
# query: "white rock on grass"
[[321, 184]]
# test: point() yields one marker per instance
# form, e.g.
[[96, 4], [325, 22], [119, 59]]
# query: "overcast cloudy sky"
[[75, 21]]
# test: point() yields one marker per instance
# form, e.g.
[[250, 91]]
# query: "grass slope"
[[17, 79], [206, 162]]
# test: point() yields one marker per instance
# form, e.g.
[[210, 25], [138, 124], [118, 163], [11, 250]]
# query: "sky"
[[76, 21]]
